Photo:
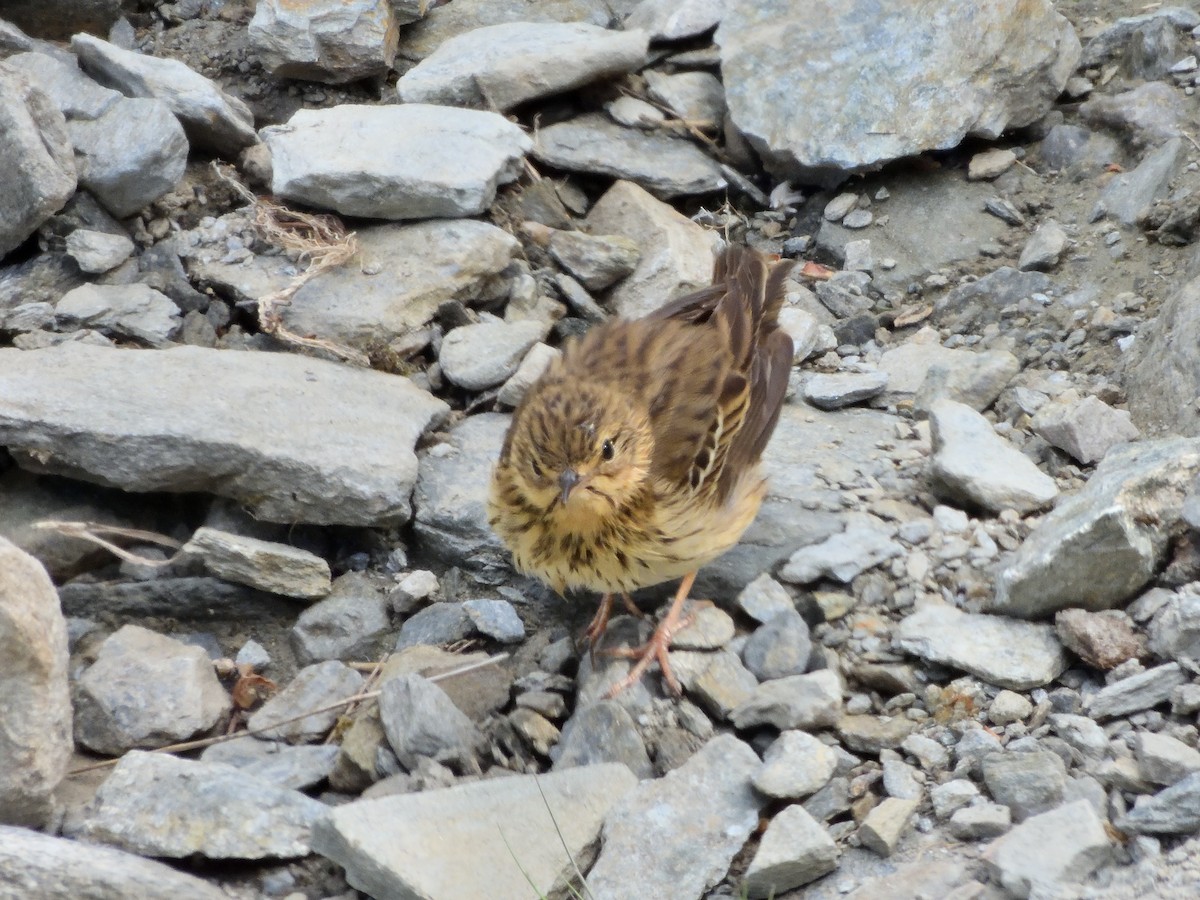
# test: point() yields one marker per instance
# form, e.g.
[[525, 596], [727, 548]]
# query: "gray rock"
[[53, 868], [925, 63], [840, 389], [675, 20], [598, 261], [1001, 651], [1044, 248], [96, 251], [778, 648], [526, 834], [496, 619], [394, 168], [35, 742], [280, 764], [421, 720], [899, 778], [528, 372], [873, 734], [321, 41], [1150, 115], [417, 268], [1163, 373], [1064, 845], [990, 164], [718, 681], [929, 753], [1130, 194], [676, 253], [952, 796], [1164, 759], [265, 565], [127, 310], [1027, 783], [1081, 732], [1173, 810], [1137, 692], [794, 766], [1085, 429], [695, 97], [804, 702], [1113, 39], [975, 379], [159, 805], [212, 119], [886, 824], [253, 654], [1174, 631], [1100, 546], [360, 471], [933, 221], [707, 627], [675, 836], [39, 171], [970, 307], [451, 494], [484, 355], [314, 687], [976, 823], [346, 625], [146, 690], [602, 732], [972, 463], [58, 74], [634, 113], [795, 849], [1007, 707], [764, 598], [444, 22], [501, 66], [131, 155], [440, 623], [1077, 149], [865, 543], [664, 165]]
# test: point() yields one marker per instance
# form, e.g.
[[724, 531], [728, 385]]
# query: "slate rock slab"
[[53, 868], [675, 836], [393, 162], [35, 702], [501, 66], [159, 805], [502, 837], [273, 431], [1101, 545], [937, 72]]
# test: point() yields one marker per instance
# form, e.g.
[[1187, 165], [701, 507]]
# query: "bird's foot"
[[599, 624], [655, 649]]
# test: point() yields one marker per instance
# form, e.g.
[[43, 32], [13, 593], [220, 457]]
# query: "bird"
[[634, 459]]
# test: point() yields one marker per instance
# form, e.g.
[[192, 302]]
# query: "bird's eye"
[[607, 451], [537, 469]]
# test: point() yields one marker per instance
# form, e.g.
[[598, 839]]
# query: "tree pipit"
[[634, 459]]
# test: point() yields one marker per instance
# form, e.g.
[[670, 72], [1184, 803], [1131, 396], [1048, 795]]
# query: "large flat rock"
[[293, 439], [868, 81], [501, 837]]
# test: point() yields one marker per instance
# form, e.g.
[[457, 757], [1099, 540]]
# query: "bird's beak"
[[567, 481]]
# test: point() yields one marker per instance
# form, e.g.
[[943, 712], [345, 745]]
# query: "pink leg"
[[656, 648]]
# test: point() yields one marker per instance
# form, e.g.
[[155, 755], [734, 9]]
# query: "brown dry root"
[[320, 242]]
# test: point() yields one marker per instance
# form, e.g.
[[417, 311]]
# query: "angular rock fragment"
[[322, 41], [501, 66], [356, 467], [935, 79], [389, 162]]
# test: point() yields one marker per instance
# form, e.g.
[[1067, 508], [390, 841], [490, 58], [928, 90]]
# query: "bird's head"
[[581, 449]]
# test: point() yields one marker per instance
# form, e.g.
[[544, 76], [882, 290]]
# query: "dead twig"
[[91, 531], [321, 242], [346, 701]]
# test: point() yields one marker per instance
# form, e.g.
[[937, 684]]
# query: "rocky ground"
[[272, 280]]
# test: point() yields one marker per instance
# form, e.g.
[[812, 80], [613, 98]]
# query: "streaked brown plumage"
[[633, 460]]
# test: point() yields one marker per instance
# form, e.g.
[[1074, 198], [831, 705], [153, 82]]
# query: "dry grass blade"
[[91, 531], [320, 242], [345, 701]]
